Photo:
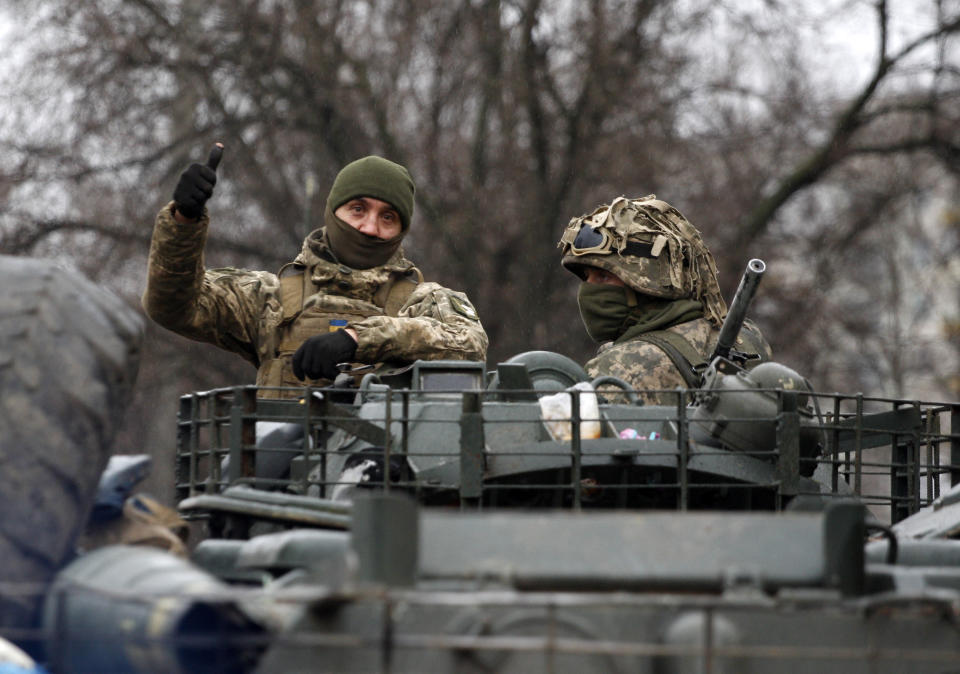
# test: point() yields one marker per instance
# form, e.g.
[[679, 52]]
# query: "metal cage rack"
[[485, 449]]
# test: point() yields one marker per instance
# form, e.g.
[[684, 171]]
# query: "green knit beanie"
[[378, 178]]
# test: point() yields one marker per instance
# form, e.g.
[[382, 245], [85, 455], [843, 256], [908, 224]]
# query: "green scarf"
[[607, 314], [354, 248]]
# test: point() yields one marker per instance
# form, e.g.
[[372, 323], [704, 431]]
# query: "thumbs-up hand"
[[196, 185]]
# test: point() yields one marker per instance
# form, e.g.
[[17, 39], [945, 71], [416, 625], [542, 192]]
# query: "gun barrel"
[[738, 308]]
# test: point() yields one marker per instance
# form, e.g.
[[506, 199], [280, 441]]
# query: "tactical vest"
[[311, 309]]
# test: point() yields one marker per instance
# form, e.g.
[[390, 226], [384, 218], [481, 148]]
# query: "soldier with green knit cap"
[[349, 296], [649, 296]]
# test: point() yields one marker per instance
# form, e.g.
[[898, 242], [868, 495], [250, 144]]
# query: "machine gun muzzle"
[[738, 308]]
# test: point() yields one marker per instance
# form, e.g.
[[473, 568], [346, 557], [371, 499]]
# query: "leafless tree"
[[514, 116]]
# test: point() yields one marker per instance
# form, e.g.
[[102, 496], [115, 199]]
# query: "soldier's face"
[[601, 276], [371, 216]]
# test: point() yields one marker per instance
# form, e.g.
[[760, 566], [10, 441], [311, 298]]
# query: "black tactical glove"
[[318, 356], [196, 185]]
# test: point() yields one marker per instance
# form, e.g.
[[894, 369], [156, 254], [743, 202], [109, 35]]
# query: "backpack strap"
[[686, 358]]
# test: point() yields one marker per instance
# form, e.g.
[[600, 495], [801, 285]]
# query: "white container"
[[556, 411]]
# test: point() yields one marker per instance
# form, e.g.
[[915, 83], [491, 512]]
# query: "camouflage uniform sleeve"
[[435, 323], [224, 307]]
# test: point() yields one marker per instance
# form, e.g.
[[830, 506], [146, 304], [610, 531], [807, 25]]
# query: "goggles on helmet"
[[590, 241]]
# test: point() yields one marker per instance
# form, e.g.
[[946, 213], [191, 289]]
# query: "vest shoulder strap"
[[686, 358], [292, 289], [393, 296]]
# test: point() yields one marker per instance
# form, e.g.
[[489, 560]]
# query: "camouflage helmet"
[[650, 246]]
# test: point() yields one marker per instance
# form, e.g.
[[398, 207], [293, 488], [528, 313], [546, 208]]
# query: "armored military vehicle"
[[444, 518]]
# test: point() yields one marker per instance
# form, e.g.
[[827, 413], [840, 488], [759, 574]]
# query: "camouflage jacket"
[[243, 311], [646, 366]]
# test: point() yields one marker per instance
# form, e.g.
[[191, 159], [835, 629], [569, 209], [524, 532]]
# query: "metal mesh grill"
[[476, 450]]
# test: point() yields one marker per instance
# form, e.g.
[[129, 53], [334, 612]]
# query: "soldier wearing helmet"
[[649, 295]]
